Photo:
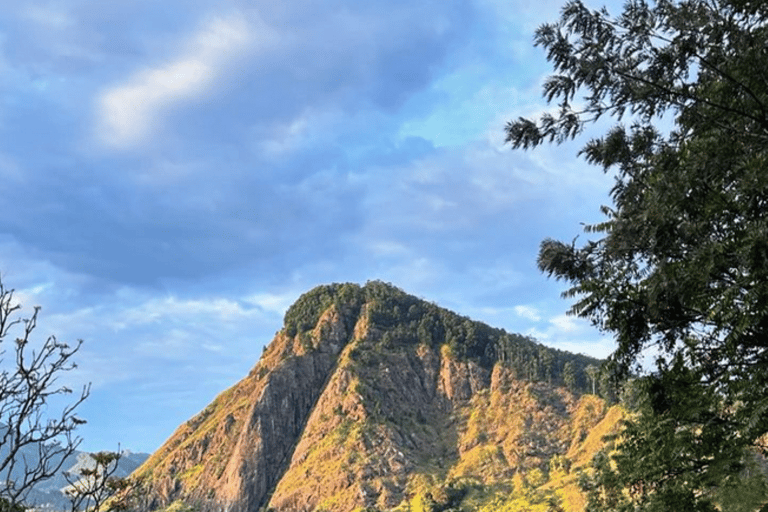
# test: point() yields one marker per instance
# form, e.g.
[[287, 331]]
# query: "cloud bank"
[[176, 173]]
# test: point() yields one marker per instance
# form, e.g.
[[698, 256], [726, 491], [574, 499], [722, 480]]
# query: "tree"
[[91, 487], [593, 372], [34, 440], [679, 267], [663, 455], [569, 377], [605, 387], [7, 506]]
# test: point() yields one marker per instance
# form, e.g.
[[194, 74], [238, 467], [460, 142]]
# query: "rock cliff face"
[[368, 397]]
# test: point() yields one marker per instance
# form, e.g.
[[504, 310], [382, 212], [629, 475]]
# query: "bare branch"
[[34, 442]]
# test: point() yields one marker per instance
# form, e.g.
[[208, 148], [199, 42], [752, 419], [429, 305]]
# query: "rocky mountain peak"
[[367, 397]]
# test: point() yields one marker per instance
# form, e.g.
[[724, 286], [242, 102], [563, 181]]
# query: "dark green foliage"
[[8, 506], [569, 376], [406, 321], [680, 264], [680, 446], [452, 495], [305, 312]]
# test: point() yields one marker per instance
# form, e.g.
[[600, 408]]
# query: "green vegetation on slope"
[[412, 407], [479, 483], [406, 320]]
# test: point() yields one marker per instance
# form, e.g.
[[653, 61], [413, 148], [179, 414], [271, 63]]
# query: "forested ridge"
[[408, 321]]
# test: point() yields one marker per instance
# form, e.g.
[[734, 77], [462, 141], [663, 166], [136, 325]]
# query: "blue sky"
[[177, 173]]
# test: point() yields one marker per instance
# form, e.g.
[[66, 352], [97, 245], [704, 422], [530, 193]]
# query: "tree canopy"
[[679, 267], [407, 320]]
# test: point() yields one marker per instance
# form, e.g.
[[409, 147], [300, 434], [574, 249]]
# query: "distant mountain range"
[[48, 494], [370, 399]]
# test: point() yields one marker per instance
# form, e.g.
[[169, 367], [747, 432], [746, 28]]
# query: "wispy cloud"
[[128, 113], [276, 303], [529, 312], [208, 309], [566, 324]]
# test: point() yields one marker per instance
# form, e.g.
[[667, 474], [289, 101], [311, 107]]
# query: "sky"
[[175, 174]]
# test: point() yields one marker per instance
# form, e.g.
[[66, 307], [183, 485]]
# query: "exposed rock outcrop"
[[364, 392]]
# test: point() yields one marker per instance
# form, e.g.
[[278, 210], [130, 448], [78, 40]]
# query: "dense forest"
[[408, 320]]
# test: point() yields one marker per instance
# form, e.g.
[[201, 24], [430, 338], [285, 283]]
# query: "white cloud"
[[128, 113], [29, 298], [580, 341], [272, 303], [286, 138], [388, 248], [565, 324], [528, 312], [141, 333], [187, 310]]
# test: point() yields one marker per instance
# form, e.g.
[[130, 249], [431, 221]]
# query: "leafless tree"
[[35, 439]]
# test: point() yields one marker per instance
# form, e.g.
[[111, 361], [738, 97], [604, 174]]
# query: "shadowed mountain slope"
[[372, 398]]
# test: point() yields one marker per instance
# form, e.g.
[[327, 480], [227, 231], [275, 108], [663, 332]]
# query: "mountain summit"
[[369, 398]]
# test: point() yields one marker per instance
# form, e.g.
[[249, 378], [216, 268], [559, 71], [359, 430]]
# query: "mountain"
[[48, 494], [371, 399]]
